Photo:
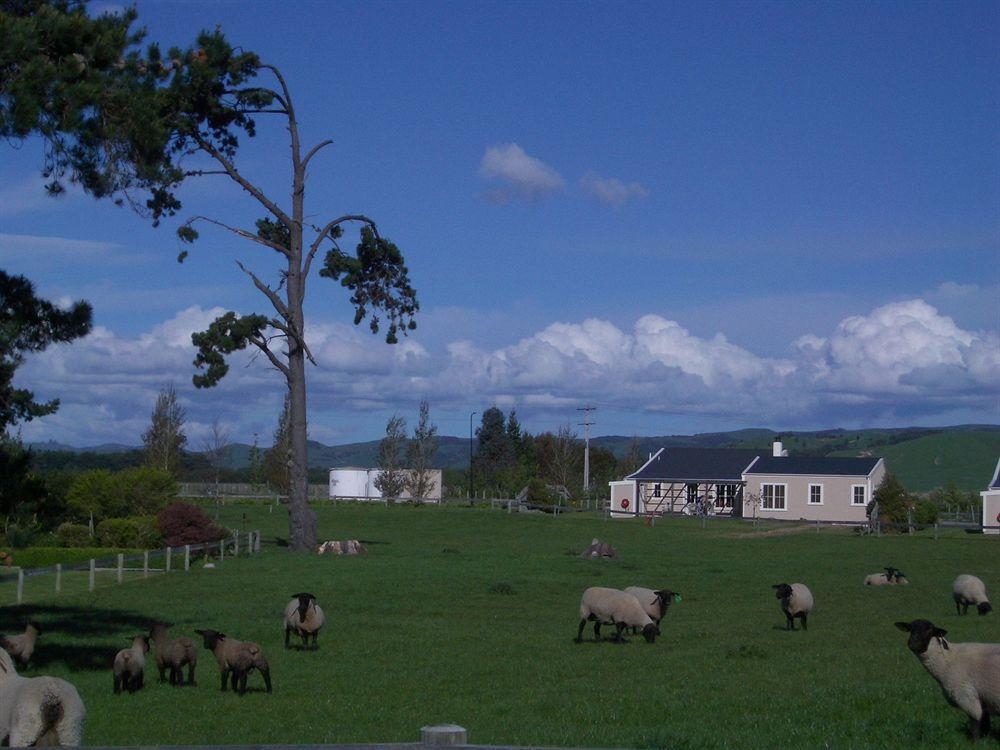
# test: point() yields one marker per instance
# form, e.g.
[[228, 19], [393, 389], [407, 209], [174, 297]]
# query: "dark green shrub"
[[74, 535], [138, 532], [925, 513], [21, 535]]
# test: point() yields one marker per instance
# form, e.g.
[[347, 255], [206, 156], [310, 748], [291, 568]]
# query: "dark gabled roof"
[[815, 465], [995, 482], [696, 464]]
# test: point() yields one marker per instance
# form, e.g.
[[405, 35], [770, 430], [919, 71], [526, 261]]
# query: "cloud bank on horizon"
[[903, 360]]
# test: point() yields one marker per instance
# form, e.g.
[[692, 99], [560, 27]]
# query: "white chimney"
[[777, 450]]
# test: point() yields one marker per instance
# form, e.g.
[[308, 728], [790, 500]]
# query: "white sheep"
[[654, 602], [968, 673], [970, 590], [130, 664], [304, 617], [602, 605], [796, 601], [38, 710]]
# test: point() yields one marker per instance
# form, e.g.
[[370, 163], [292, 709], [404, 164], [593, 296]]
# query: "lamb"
[[305, 617], [970, 590], [891, 577], [611, 606], [130, 664], [38, 710], [22, 646], [968, 673], [655, 603], [237, 658], [173, 653], [796, 601]]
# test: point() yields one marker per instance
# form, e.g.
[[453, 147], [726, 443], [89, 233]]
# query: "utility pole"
[[586, 424]]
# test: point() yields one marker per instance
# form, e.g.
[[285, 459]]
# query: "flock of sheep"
[[48, 711], [968, 673]]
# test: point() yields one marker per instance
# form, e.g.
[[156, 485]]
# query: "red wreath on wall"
[[625, 504], [998, 517]]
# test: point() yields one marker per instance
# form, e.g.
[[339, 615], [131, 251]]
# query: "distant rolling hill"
[[923, 458]]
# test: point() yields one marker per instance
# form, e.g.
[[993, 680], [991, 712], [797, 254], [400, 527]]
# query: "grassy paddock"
[[419, 631]]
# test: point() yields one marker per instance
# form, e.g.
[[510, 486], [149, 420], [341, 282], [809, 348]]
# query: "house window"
[[725, 494], [815, 494], [656, 491], [692, 493], [859, 494], [772, 497]]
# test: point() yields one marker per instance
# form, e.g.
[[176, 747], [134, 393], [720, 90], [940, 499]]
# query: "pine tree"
[[165, 438], [420, 455], [277, 458]]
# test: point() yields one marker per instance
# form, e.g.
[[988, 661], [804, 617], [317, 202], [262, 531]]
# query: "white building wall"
[[991, 511]]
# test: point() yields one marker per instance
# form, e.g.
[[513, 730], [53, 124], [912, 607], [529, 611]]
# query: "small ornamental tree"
[[420, 455], [391, 479], [164, 440], [184, 523], [893, 501]]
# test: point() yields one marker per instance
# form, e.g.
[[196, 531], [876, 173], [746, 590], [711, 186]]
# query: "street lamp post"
[[470, 453]]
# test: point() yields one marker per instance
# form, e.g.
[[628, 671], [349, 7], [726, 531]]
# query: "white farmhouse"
[[991, 503], [750, 483]]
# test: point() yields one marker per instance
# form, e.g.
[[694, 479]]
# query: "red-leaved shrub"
[[183, 523]]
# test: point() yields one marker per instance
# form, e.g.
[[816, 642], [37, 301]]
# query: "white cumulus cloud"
[[610, 190], [516, 174]]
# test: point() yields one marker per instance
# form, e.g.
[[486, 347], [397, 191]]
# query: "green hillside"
[[965, 458]]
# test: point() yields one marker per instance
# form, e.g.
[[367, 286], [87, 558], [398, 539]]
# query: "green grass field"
[[414, 636]]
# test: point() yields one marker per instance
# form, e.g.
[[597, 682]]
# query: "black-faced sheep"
[[607, 606], [796, 601], [236, 658], [36, 711], [970, 590], [21, 646], [304, 617], [891, 577], [969, 673], [655, 603], [173, 654], [130, 664]]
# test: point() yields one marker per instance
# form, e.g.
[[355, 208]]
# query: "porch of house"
[[689, 497]]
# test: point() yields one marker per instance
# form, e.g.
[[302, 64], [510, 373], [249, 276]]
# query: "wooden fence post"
[[249, 542], [145, 563], [256, 544], [93, 565], [121, 566], [187, 557], [935, 531], [222, 550], [20, 585], [170, 551], [58, 577], [236, 544]]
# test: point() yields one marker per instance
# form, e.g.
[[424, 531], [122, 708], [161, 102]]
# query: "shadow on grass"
[[114, 628]]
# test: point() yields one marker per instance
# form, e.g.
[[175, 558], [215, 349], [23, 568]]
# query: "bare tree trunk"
[[301, 519]]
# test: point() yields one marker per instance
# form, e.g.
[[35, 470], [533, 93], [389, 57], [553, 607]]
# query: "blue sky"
[[696, 216]]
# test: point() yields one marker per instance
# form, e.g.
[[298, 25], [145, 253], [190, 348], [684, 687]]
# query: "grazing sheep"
[[655, 603], [891, 577], [305, 617], [38, 710], [173, 653], [611, 606], [22, 646], [796, 601], [968, 673], [130, 664], [237, 658], [970, 590]]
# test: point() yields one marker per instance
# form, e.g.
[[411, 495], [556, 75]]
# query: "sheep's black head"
[[665, 597], [34, 624], [782, 590], [304, 600], [890, 572], [984, 607], [210, 637], [650, 632], [898, 575], [921, 632]]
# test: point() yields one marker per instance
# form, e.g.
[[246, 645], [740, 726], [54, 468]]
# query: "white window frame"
[[809, 498], [784, 496], [864, 492], [725, 493]]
